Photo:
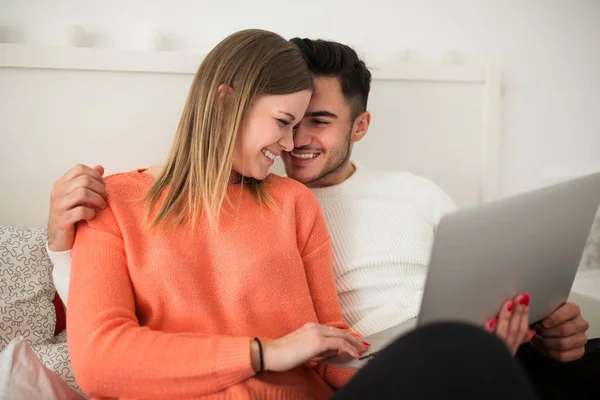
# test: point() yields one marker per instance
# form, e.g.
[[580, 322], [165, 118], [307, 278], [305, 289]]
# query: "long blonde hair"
[[199, 166]]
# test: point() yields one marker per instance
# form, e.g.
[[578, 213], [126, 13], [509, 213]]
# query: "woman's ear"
[[224, 90], [361, 126]]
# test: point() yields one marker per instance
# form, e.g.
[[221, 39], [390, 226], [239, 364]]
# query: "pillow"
[[55, 357], [23, 376], [26, 289], [61, 317]]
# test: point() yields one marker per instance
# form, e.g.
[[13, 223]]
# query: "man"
[[382, 223]]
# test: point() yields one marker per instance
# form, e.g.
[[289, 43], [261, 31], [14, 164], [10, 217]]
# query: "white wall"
[[548, 50]]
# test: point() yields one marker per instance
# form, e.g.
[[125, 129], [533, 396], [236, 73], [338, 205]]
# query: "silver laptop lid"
[[530, 243]]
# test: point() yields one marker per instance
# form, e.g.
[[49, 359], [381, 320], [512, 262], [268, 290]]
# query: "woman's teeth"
[[304, 156], [269, 154]]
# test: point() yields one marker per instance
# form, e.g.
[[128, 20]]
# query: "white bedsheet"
[[23, 376]]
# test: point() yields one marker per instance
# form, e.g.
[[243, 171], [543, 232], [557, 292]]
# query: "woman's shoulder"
[[280, 185], [123, 184], [293, 196], [124, 192]]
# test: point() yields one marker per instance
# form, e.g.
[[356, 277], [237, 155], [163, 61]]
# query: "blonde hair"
[[199, 166]]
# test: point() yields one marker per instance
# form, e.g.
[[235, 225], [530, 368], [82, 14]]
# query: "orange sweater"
[[172, 315]]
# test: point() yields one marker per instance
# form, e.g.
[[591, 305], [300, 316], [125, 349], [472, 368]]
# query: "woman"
[[207, 277]]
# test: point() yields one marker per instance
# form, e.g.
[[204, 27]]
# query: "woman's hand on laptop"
[[512, 323], [307, 343]]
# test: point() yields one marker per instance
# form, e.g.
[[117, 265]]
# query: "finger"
[[562, 314], [79, 170], [85, 197], [87, 182], [514, 334], [566, 343], [519, 324], [524, 327], [353, 351], [330, 331], [65, 212], [490, 325], [100, 169], [568, 328], [340, 345], [79, 214], [566, 356], [327, 354], [504, 319]]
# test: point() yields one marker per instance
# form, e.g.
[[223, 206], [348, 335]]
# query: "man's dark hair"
[[332, 59]]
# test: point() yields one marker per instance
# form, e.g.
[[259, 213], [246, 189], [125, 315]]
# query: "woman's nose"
[[287, 141]]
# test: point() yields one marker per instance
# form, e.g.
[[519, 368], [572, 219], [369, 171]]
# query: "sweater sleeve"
[[61, 271], [112, 355], [317, 256]]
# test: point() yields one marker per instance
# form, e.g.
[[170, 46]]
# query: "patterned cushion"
[[55, 356], [26, 288]]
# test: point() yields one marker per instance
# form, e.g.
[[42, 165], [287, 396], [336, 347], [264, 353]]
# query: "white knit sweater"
[[382, 226]]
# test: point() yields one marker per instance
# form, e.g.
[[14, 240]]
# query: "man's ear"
[[361, 126]]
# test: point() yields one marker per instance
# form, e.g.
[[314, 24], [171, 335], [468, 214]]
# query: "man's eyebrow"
[[321, 114], [288, 114]]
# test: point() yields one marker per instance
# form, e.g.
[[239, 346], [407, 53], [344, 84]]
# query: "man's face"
[[323, 138]]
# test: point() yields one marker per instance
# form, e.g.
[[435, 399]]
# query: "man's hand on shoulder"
[[561, 336], [75, 196]]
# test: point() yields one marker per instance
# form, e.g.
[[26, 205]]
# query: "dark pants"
[[555, 380], [442, 361]]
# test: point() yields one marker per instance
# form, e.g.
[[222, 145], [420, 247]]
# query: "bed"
[[62, 106]]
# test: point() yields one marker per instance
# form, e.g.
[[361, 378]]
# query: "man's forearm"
[[61, 273]]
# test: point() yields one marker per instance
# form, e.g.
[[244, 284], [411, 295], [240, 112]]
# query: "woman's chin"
[[261, 177]]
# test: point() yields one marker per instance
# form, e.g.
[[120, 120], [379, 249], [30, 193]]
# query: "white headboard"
[[61, 106]]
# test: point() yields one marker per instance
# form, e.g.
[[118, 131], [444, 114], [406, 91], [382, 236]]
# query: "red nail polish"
[[492, 323], [532, 332], [366, 344], [524, 300], [511, 305], [360, 354]]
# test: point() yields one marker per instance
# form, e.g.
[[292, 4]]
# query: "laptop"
[[482, 256]]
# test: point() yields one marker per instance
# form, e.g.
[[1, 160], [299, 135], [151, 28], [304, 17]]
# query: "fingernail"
[[532, 332], [546, 323], [359, 354], [492, 323], [524, 300], [511, 305], [366, 344]]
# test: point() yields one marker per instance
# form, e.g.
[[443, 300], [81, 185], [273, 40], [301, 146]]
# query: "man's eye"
[[319, 122]]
